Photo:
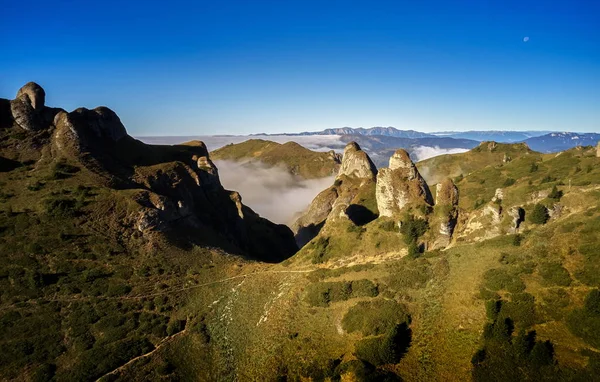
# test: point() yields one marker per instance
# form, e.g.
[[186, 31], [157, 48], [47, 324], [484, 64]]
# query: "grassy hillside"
[[456, 165], [295, 158]]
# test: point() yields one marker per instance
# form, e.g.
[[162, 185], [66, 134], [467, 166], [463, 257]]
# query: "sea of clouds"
[[420, 153], [272, 192]]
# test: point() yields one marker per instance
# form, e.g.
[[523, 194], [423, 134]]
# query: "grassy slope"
[[437, 168], [297, 159]]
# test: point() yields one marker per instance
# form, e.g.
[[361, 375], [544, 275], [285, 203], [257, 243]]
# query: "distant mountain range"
[[555, 142], [382, 138], [492, 135]]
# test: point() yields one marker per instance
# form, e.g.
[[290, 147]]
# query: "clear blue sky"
[[236, 67]]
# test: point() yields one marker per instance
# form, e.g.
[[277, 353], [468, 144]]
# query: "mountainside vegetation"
[[121, 261]]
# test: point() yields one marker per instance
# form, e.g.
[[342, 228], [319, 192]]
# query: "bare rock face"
[[598, 150], [356, 163], [34, 95], [400, 185], [446, 212], [446, 193], [310, 223], [517, 215]]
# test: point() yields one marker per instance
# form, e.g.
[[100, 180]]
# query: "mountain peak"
[[356, 163]]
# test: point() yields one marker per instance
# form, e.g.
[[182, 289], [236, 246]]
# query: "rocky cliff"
[[176, 188]]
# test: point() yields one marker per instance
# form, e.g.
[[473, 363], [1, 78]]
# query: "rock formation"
[[28, 109], [517, 216], [176, 188], [356, 163], [400, 185], [446, 213], [598, 149], [353, 187]]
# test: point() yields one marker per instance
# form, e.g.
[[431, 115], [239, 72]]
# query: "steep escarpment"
[[176, 189]]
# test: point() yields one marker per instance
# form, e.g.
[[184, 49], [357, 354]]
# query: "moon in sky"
[[525, 39]]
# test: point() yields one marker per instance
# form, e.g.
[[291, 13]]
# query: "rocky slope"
[[175, 188]]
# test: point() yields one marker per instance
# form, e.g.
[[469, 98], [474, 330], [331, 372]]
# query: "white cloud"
[[213, 142], [272, 192], [420, 153]]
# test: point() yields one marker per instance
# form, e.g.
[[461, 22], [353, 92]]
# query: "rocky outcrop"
[[356, 163], [446, 213], [28, 109], [517, 216], [446, 193], [347, 199], [400, 185], [308, 225], [598, 149]]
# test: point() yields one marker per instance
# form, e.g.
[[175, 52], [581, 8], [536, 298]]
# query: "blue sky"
[[237, 67]]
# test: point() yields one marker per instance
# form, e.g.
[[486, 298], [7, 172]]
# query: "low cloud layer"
[[420, 153], [213, 142], [272, 192]]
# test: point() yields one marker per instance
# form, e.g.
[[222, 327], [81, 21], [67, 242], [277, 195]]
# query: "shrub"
[[319, 248], [322, 294], [374, 317], [554, 274], [555, 194], [534, 167], [539, 214], [62, 170], [509, 182], [63, 207], [386, 350], [412, 228], [388, 225], [118, 290], [175, 326]]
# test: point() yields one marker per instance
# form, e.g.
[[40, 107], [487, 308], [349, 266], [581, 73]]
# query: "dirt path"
[[133, 360]]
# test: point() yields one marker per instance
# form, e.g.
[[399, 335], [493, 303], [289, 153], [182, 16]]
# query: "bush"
[[319, 248], [386, 350], [509, 182], [62, 170], [534, 167], [322, 294], [412, 228], [374, 317], [555, 194], [554, 274], [539, 214], [388, 225], [63, 207], [175, 326]]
